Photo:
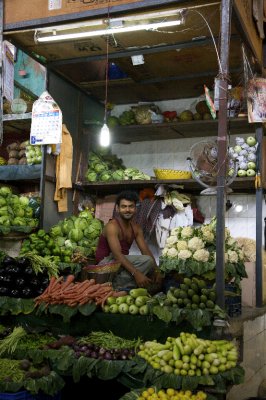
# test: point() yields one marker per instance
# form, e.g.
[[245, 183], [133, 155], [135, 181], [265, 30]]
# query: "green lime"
[[202, 306], [187, 281], [203, 298], [196, 299], [191, 292], [210, 304]]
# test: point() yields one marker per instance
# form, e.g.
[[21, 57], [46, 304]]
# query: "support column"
[[225, 15]]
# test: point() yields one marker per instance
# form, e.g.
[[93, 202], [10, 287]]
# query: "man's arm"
[[112, 236]]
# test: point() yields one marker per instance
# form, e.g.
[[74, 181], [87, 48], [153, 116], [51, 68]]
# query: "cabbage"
[[81, 223], [55, 231], [60, 241], [99, 167], [5, 191], [4, 220], [93, 230], [68, 224], [86, 214], [18, 221], [105, 176], [118, 175], [69, 244], [2, 201], [18, 211], [4, 210], [75, 234], [28, 212], [91, 176], [24, 201], [14, 200]]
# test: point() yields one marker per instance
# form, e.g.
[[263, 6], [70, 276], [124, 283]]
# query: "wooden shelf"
[[172, 130], [240, 185], [17, 122]]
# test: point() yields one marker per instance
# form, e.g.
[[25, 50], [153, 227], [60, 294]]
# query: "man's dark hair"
[[127, 195]]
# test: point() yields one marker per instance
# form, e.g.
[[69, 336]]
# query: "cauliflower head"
[[195, 244], [201, 255]]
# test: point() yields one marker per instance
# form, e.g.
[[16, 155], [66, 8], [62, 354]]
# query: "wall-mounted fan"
[[203, 165]]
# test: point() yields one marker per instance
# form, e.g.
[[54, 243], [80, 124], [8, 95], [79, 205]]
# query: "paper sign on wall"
[[256, 100], [54, 4], [46, 122]]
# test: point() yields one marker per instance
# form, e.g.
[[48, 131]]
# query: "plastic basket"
[[171, 174], [25, 395]]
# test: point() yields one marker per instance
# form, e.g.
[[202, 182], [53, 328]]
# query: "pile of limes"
[[170, 393]]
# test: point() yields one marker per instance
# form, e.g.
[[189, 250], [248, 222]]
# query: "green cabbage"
[[55, 231], [81, 223], [86, 214], [91, 176], [18, 211], [24, 201], [18, 221], [60, 241], [67, 226], [94, 229], [4, 220], [118, 175], [28, 212], [2, 201], [4, 210], [75, 234], [5, 191], [105, 176], [99, 167]]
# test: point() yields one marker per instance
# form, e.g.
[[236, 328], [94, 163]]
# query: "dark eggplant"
[[34, 282], [8, 261], [26, 292], [8, 280], [23, 262], [14, 293], [2, 277], [20, 282], [45, 281], [4, 291], [29, 271], [13, 269], [38, 291]]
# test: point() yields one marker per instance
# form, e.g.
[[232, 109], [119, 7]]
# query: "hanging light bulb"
[[105, 136]]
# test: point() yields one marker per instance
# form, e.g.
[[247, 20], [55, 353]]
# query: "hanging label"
[[256, 100], [54, 4], [209, 102], [46, 122], [8, 72]]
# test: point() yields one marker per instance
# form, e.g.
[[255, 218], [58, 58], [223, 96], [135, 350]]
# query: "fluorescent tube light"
[[108, 31]]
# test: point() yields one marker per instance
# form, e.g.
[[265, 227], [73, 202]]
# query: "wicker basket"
[[101, 273], [171, 174], [102, 268]]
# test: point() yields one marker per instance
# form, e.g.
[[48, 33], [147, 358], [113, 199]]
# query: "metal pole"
[[225, 16], [259, 199]]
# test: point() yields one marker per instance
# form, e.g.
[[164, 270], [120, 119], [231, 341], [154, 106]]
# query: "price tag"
[[54, 4], [46, 123]]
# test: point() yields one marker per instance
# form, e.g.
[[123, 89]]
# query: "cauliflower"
[[172, 252], [201, 255], [207, 235], [171, 240], [184, 254], [232, 256], [176, 231], [231, 241], [241, 254], [195, 244], [187, 232], [181, 245], [164, 252]]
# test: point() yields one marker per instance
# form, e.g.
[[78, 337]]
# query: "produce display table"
[[128, 326]]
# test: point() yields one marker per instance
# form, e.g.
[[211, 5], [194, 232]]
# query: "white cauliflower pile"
[[188, 243]]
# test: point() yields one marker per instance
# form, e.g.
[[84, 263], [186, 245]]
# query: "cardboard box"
[[41, 9]]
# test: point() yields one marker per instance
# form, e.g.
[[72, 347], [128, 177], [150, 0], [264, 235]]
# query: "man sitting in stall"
[[115, 242]]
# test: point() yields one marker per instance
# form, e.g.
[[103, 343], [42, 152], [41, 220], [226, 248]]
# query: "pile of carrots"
[[66, 291]]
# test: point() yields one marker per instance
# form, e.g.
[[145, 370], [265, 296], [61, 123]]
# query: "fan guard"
[[203, 165]]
